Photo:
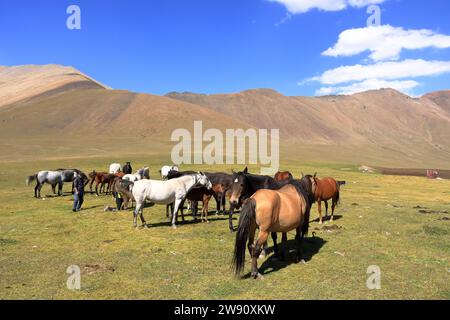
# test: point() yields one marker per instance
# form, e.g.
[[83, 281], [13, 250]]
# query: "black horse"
[[244, 185], [127, 169]]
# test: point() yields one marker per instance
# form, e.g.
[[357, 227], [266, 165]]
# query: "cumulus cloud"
[[385, 42], [371, 84], [302, 6], [390, 70]]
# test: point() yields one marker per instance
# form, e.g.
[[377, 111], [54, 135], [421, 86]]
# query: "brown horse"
[[273, 211], [102, 179], [327, 188], [283, 175]]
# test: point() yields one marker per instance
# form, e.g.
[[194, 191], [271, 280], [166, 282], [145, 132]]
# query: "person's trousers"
[[78, 201]]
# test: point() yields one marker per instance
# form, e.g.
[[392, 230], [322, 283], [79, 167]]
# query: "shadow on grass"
[[311, 246], [324, 219], [183, 223]]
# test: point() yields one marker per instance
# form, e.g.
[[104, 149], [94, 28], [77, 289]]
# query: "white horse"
[[166, 169], [51, 177], [115, 168], [143, 173], [166, 192]]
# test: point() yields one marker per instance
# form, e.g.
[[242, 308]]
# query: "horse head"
[[201, 179], [238, 186]]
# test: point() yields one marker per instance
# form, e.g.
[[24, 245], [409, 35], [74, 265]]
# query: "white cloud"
[[391, 70], [385, 42], [370, 84], [302, 6]]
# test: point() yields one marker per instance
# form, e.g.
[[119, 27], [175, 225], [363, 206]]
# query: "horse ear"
[[201, 173], [303, 175], [315, 174], [246, 170]]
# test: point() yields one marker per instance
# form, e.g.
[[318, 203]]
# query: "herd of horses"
[[273, 205]]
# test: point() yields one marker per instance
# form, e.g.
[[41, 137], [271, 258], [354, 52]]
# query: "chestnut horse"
[[327, 188], [102, 179], [272, 211], [283, 175]]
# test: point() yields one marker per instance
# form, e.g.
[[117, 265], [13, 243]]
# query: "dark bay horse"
[[327, 188], [272, 211], [245, 185], [127, 169]]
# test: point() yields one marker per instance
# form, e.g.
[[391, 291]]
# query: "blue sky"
[[219, 46]]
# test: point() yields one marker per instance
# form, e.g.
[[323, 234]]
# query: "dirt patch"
[[97, 268], [330, 229]]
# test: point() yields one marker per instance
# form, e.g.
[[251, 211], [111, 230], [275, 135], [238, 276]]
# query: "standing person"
[[78, 196]]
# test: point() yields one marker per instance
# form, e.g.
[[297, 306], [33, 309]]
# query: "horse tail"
[[338, 193], [305, 227], [30, 179], [248, 216]]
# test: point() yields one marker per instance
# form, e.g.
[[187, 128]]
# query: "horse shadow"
[[183, 223], [335, 217], [311, 246]]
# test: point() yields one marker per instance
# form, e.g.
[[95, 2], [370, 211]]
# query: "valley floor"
[[397, 223]]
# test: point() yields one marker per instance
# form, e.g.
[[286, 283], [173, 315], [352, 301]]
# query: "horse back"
[[279, 210], [327, 188]]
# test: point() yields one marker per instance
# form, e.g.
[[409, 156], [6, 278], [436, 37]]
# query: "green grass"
[[39, 239]]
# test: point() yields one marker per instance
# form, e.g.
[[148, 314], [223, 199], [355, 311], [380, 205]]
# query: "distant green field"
[[381, 225]]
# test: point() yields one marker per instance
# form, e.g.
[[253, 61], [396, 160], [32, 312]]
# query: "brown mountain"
[[383, 126], [50, 111]]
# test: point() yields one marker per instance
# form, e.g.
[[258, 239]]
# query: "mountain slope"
[[22, 83], [55, 111], [384, 121]]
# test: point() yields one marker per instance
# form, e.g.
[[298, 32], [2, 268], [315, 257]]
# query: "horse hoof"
[[258, 276], [174, 227]]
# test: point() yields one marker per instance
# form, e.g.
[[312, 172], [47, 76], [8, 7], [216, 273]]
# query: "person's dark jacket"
[[78, 183]]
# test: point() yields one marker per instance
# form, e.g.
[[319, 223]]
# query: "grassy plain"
[[378, 215]]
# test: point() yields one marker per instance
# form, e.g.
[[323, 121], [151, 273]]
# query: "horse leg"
[[326, 210], [333, 206], [37, 190], [275, 245], [136, 211], [182, 209], [167, 210], [54, 188], [262, 238], [284, 246], [205, 205], [218, 198], [230, 218], [90, 184], [319, 207], [299, 237], [175, 212], [60, 185], [96, 188], [141, 216]]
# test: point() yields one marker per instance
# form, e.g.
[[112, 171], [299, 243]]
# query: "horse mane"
[[304, 188]]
